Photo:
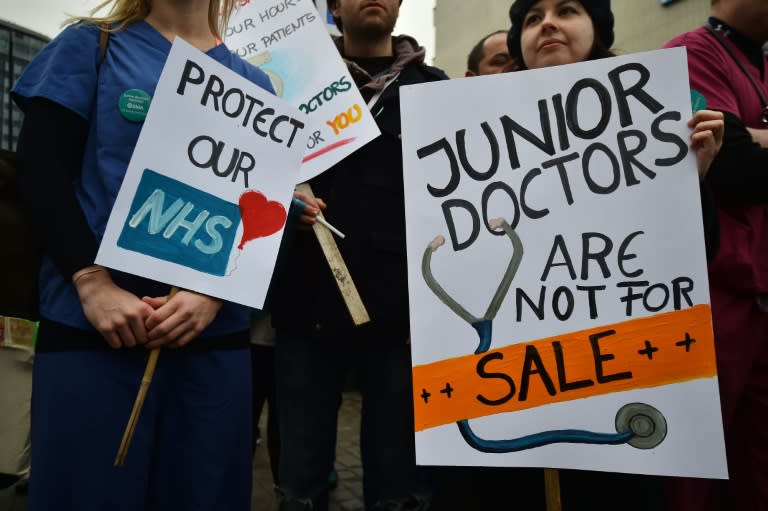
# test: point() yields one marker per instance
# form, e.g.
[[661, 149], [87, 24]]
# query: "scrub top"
[[67, 71]]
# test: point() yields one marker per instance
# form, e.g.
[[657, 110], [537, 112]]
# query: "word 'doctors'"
[[237, 104]]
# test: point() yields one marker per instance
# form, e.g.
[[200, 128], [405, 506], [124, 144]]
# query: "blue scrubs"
[[66, 72], [191, 449]]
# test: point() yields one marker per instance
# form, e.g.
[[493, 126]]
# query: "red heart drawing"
[[261, 217]]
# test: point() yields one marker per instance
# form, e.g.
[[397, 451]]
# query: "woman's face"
[[556, 32]]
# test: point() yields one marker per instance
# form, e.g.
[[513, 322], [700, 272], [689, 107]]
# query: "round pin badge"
[[134, 104]]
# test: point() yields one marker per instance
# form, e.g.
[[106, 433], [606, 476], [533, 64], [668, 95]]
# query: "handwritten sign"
[[557, 273], [203, 203], [288, 39], [325, 12]]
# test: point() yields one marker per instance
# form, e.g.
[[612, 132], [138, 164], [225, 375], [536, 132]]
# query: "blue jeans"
[[311, 372]]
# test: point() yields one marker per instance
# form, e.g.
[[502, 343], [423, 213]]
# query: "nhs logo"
[[174, 222]]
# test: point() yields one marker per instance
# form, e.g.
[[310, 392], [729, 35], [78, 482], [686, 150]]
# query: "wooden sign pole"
[[552, 489], [338, 267], [149, 371], [146, 380]]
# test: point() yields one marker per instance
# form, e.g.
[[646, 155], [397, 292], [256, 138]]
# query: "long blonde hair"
[[125, 12]]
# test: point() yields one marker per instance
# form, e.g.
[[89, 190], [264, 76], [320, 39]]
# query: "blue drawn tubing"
[[573, 436], [484, 327]]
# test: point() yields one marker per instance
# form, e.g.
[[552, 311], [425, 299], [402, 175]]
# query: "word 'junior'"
[[624, 162]]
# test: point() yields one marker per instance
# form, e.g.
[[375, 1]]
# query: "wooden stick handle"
[[552, 489], [149, 371], [146, 380], [339, 269]]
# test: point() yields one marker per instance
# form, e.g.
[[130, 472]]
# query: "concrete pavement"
[[348, 496]]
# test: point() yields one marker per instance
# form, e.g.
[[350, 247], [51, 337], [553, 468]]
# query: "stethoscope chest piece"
[[646, 422]]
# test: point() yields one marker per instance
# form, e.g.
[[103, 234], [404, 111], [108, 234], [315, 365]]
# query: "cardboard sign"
[[557, 272], [289, 41], [327, 15], [205, 198]]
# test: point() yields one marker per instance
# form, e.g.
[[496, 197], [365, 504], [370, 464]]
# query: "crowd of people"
[[190, 449]]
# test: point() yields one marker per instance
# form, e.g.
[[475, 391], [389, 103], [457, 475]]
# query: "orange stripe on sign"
[[640, 353]]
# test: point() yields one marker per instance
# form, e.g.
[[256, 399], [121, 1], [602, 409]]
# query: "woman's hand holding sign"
[[707, 138], [117, 314], [126, 321], [313, 207], [178, 320]]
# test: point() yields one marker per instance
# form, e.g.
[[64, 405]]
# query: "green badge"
[[698, 101], [134, 104]]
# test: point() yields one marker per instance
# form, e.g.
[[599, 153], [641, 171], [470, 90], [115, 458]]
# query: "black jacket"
[[364, 193]]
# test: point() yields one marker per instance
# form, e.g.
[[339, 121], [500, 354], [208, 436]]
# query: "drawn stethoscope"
[[637, 424], [277, 81]]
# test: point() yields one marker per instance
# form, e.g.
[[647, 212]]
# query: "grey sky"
[[46, 16]]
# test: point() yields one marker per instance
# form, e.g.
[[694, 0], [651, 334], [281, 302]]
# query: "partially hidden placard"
[[288, 39]]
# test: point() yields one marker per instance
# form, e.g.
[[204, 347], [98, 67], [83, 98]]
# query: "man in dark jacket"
[[317, 340]]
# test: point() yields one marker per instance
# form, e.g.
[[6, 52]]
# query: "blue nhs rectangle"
[[175, 222]]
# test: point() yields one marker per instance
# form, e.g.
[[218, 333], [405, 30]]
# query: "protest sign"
[[288, 40], [205, 198], [325, 13], [557, 272]]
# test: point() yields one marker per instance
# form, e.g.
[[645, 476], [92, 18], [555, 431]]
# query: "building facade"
[[17, 47], [641, 25]]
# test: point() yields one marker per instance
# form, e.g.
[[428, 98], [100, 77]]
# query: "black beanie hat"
[[598, 10]]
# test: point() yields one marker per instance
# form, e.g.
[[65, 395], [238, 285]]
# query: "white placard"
[[325, 13], [204, 201], [288, 40], [596, 352]]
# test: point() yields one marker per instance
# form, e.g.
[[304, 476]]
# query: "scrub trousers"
[[190, 450], [741, 345]]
